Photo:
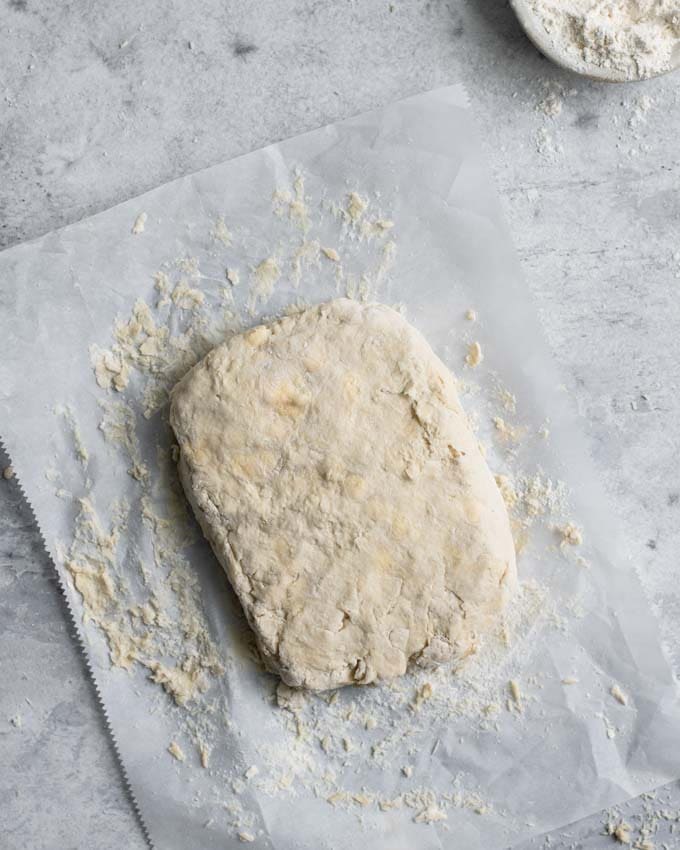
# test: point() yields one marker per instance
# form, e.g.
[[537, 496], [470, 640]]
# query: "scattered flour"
[[641, 107], [552, 99], [177, 650], [148, 606], [293, 203], [546, 145], [66, 411], [186, 297], [430, 815], [264, 278], [504, 430], [530, 499], [305, 256], [220, 232], [356, 206]]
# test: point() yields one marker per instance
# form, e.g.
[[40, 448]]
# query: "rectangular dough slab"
[[333, 470]]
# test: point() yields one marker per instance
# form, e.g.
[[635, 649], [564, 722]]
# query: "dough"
[[332, 468]]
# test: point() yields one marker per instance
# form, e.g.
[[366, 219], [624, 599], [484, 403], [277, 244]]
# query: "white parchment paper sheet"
[[420, 160]]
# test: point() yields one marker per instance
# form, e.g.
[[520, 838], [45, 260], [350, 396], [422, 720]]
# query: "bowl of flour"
[[612, 40]]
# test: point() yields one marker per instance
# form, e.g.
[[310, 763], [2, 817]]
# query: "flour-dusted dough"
[[332, 468]]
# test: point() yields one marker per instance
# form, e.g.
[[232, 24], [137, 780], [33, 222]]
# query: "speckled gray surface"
[[103, 101]]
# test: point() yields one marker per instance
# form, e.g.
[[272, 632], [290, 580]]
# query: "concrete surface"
[[103, 101]]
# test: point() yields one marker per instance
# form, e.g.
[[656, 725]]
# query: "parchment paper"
[[553, 755]]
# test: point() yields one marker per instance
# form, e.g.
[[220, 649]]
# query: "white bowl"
[[536, 32]]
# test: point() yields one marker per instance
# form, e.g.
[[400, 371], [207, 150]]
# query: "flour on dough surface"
[[333, 470]]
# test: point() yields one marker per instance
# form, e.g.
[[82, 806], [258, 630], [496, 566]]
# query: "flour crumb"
[[474, 356], [356, 206], [162, 286], [618, 694], [407, 770], [140, 224], [471, 315], [430, 815], [204, 754], [110, 369], [183, 683], [176, 751], [16, 721], [620, 832], [233, 277], [186, 297], [8, 473], [515, 693], [571, 535], [246, 837], [570, 680], [331, 254], [505, 431], [252, 771]]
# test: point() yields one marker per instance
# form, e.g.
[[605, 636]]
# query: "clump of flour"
[[634, 39]]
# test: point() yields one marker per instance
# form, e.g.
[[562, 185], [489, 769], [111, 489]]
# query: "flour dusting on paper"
[[145, 600]]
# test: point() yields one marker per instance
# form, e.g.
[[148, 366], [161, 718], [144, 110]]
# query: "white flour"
[[636, 38]]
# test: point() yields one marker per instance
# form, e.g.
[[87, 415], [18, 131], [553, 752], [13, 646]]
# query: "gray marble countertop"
[[103, 101]]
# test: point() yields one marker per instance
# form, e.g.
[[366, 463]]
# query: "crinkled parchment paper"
[[570, 707]]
